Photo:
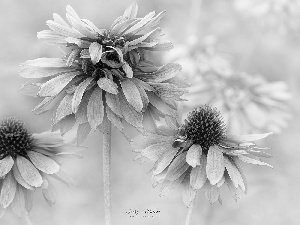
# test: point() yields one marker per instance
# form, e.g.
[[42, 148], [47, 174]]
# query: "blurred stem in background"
[[192, 30], [106, 169]]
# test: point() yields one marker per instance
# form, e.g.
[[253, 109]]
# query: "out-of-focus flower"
[[28, 162], [249, 104], [199, 154], [106, 73], [200, 57], [280, 14]]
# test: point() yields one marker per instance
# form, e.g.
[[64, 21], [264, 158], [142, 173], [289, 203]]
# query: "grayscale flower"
[[28, 162], [280, 14], [249, 104], [198, 154], [107, 72]]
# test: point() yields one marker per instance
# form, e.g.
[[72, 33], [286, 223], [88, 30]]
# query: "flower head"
[[106, 72], [198, 154], [249, 104], [27, 162]]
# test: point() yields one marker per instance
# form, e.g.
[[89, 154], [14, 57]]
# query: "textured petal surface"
[[215, 165], [5, 165], [43, 163]]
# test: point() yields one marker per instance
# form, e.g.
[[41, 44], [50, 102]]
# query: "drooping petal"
[[193, 155], [140, 24], [82, 132], [55, 85], [29, 173], [128, 70], [246, 138], [67, 123], [177, 167], [212, 192], [41, 72], [198, 174], [46, 62], [19, 178], [18, 204], [50, 194], [114, 104], [43, 163], [132, 116], [131, 11], [253, 161], [234, 173], [160, 105], [189, 193], [81, 88], [95, 109], [116, 121], [64, 109], [164, 161], [215, 164], [155, 151], [132, 94], [8, 190], [108, 85], [5, 165], [164, 73]]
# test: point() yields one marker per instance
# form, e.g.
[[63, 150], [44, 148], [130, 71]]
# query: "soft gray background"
[[273, 196]]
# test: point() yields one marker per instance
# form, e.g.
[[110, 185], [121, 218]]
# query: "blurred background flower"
[[272, 14], [274, 57]]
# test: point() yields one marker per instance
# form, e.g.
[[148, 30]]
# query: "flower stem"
[[106, 169], [189, 213]]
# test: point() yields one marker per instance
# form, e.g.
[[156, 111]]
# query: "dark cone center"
[[204, 126], [14, 138]]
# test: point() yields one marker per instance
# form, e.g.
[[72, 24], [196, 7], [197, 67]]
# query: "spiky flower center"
[[204, 126], [14, 138], [102, 69]]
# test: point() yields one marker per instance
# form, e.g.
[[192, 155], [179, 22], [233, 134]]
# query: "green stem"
[[106, 169]]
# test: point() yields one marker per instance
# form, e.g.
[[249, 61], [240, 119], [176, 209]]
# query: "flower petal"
[[82, 132], [188, 194], [95, 108], [5, 165], [159, 103], [177, 167], [46, 62], [128, 70], [212, 192], [198, 174], [131, 11], [116, 121], [29, 173], [43, 163], [164, 161], [155, 151], [79, 93], [50, 194], [41, 72], [19, 178], [246, 138], [164, 73], [8, 190], [130, 114], [193, 155], [140, 24], [95, 50], [234, 173], [64, 109], [18, 204], [253, 161], [55, 85], [132, 94], [215, 164], [114, 104], [108, 85]]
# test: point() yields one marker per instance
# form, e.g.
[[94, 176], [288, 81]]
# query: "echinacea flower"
[[106, 72], [28, 162], [280, 14], [248, 103], [199, 154]]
